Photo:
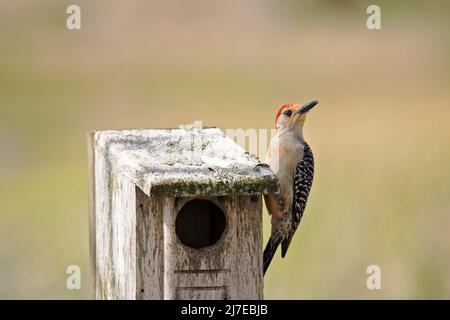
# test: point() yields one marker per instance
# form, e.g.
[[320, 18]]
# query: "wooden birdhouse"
[[175, 214]]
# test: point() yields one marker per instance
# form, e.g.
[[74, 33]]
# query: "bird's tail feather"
[[269, 251], [285, 244]]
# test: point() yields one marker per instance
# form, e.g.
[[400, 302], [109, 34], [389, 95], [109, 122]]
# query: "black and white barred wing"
[[303, 178]]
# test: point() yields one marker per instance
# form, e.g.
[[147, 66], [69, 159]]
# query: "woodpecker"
[[292, 161]]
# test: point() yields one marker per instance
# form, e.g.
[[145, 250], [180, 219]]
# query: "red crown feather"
[[284, 107]]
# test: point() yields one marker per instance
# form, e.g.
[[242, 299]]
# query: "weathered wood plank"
[[233, 264], [150, 251], [202, 293], [123, 237], [103, 252], [248, 275], [188, 268]]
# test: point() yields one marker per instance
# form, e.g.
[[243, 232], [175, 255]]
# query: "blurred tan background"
[[380, 133]]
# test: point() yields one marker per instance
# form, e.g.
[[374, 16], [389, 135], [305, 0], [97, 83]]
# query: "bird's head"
[[292, 116]]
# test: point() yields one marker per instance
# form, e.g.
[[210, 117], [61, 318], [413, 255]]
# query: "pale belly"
[[283, 162]]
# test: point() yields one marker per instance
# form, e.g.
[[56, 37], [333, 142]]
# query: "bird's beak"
[[306, 107]]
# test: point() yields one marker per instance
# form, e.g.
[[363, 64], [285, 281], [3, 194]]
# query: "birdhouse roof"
[[185, 162]]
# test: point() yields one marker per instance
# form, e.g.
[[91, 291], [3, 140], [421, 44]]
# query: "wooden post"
[[175, 214]]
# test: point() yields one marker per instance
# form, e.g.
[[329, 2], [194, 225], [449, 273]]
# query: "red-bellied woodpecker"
[[291, 159]]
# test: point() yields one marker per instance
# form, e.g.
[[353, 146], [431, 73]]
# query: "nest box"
[[175, 214]]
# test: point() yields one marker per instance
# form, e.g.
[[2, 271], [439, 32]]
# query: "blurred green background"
[[380, 134]]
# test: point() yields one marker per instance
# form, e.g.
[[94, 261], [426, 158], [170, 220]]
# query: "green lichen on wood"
[[244, 186]]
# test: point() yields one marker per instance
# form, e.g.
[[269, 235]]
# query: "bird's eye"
[[287, 112]]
